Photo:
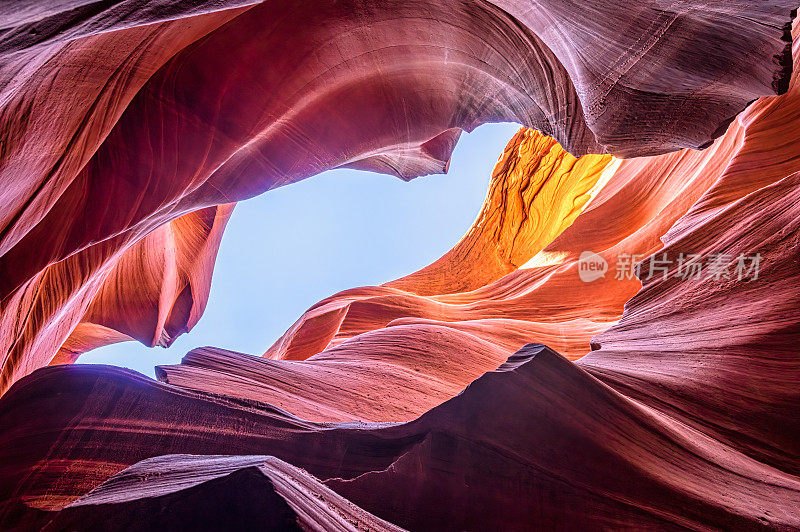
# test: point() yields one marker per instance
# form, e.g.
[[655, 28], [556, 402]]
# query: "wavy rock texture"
[[155, 120], [419, 403], [215, 492], [468, 463]]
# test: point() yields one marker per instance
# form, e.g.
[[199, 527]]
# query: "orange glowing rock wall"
[[156, 121]]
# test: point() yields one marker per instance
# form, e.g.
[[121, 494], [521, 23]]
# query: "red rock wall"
[[421, 403]]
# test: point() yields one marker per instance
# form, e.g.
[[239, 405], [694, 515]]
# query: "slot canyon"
[[612, 344]]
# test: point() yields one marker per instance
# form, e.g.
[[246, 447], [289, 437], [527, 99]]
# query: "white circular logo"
[[591, 266]]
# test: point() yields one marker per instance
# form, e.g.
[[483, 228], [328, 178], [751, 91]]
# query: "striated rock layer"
[[538, 441], [421, 403], [214, 493], [157, 121]]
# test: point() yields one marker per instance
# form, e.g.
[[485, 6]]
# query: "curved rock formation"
[[420, 403], [394, 81], [214, 493], [539, 430], [509, 279]]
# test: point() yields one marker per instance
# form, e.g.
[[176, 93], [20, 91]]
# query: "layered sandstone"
[[430, 402]]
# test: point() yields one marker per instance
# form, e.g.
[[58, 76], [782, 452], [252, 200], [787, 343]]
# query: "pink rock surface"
[[538, 441], [214, 492], [420, 403], [156, 120]]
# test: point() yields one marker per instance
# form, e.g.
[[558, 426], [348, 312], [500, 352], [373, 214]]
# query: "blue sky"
[[287, 249]]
